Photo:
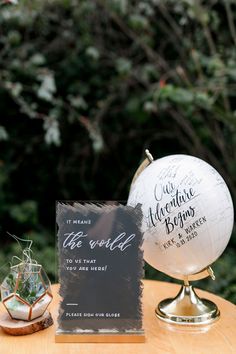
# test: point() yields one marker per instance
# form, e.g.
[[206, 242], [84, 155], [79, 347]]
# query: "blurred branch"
[[104, 107], [202, 10], [189, 130], [220, 142], [174, 39], [209, 39], [230, 20], [150, 53], [177, 31], [95, 134], [196, 60]]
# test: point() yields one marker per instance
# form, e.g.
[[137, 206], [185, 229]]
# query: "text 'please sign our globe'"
[[187, 214]]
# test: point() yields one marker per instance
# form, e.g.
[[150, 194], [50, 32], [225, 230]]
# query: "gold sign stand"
[[100, 338]]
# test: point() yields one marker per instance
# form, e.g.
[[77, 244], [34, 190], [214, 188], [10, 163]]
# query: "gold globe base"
[[187, 309]]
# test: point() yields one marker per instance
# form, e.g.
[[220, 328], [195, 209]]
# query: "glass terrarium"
[[26, 291]]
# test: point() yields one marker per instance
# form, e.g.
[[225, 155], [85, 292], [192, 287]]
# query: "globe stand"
[[187, 308]]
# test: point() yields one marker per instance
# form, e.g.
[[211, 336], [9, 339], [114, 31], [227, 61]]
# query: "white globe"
[[187, 214]]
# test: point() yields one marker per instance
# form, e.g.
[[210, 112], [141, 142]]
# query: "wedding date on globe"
[[100, 272]]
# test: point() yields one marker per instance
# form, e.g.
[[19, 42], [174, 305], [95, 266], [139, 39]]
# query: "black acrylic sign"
[[100, 268]]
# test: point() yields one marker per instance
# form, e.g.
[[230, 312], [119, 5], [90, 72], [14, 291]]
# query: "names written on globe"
[[175, 208], [100, 267]]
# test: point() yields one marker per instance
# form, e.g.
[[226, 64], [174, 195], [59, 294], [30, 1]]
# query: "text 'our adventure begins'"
[[169, 198]]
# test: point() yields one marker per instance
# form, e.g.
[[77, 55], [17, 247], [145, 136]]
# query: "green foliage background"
[[87, 85]]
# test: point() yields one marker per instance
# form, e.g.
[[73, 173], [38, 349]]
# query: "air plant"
[[26, 289]]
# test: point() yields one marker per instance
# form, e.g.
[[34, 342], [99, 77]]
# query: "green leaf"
[[177, 95], [120, 6], [93, 53], [138, 22], [25, 213], [14, 37], [52, 134], [149, 107], [78, 102], [123, 66], [37, 59], [3, 133], [202, 99], [182, 96], [47, 87]]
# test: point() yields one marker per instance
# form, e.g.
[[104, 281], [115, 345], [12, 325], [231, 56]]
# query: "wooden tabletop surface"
[[161, 338]]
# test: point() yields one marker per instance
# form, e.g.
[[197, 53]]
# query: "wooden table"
[[218, 338]]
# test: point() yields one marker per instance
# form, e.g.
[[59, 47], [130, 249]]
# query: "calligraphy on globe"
[[187, 214]]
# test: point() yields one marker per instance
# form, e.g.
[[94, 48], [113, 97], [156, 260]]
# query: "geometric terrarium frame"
[[26, 291]]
